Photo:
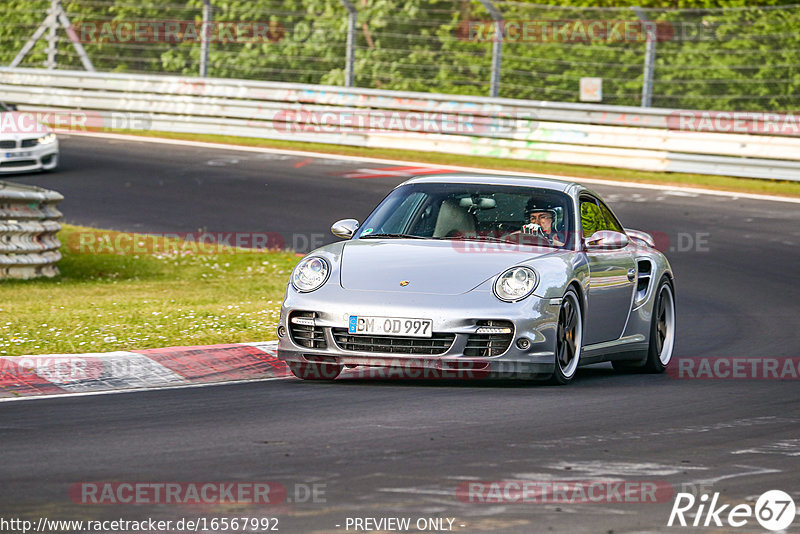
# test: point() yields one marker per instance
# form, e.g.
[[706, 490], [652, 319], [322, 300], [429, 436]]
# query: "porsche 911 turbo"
[[481, 276]]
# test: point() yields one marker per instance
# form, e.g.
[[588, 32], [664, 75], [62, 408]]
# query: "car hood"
[[434, 267]]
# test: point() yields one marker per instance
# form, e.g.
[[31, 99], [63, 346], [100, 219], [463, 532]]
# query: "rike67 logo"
[[774, 510]]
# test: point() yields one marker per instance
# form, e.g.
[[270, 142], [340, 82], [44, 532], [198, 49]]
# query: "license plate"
[[390, 326], [18, 154]]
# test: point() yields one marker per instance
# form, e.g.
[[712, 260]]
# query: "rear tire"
[[662, 329], [569, 339], [662, 334], [315, 371]]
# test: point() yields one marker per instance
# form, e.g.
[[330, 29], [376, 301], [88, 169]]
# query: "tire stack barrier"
[[28, 231]]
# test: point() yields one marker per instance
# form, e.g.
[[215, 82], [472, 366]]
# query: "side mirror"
[[345, 228], [606, 239]]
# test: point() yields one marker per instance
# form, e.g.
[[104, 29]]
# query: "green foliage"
[[710, 54]]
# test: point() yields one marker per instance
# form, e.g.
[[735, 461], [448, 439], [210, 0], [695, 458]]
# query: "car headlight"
[[47, 139], [515, 284], [310, 274]]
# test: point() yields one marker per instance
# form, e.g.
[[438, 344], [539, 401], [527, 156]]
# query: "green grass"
[[722, 183], [173, 296]]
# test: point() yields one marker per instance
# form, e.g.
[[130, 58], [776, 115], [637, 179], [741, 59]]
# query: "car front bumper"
[[35, 158], [533, 319]]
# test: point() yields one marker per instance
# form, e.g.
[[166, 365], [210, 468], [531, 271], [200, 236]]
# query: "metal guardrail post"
[[497, 47], [204, 41], [28, 227], [52, 36], [55, 15], [352, 16], [649, 56], [44, 26]]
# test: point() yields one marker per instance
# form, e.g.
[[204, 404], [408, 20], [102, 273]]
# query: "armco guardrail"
[[28, 228], [584, 134]]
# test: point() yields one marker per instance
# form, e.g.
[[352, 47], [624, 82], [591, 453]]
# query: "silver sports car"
[[481, 276]]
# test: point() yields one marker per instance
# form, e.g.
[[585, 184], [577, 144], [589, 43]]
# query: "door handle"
[[631, 274]]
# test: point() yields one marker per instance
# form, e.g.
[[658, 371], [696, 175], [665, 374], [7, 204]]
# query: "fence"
[[736, 58], [28, 228], [651, 139]]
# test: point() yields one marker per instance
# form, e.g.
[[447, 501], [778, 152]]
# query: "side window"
[[424, 221], [592, 219], [611, 221], [401, 215]]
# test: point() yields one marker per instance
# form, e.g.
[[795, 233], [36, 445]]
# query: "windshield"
[[473, 211]]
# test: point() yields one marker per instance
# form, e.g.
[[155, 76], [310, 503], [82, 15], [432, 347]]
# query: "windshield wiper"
[[451, 238], [392, 236], [473, 238]]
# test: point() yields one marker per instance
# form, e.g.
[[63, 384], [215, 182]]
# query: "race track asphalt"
[[381, 448]]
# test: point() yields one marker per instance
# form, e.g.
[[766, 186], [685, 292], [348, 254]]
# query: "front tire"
[[569, 339], [315, 371]]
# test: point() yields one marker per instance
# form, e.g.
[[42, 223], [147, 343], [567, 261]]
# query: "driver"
[[541, 217]]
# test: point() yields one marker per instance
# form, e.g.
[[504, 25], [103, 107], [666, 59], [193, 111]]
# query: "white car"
[[25, 144]]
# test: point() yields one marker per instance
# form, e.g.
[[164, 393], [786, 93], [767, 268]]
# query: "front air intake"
[[305, 332], [490, 344], [437, 344]]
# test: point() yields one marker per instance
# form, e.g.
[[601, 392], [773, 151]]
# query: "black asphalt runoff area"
[[389, 448]]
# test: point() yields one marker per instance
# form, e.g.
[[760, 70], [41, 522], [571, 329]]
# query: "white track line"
[[322, 155], [138, 390]]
